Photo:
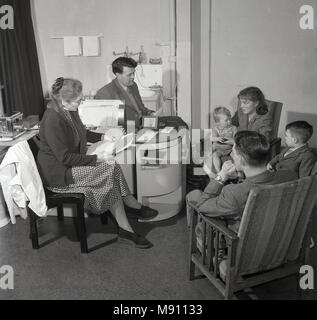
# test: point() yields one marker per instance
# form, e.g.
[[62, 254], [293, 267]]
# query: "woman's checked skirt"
[[103, 185]]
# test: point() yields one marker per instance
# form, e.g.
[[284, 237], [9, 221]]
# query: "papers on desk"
[[114, 134], [109, 148], [7, 138], [124, 142], [167, 130], [147, 136]]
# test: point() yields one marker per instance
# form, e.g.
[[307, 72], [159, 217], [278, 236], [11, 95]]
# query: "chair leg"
[[229, 291], [60, 212], [33, 230], [82, 228], [104, 218], [192, 245]]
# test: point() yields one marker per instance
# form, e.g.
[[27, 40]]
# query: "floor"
[[112, 270]]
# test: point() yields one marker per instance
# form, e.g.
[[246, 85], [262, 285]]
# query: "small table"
[[25, 136]]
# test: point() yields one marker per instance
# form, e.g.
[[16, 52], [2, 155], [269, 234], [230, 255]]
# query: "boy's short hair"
[[221, 110], [253, 147], [302, 130]]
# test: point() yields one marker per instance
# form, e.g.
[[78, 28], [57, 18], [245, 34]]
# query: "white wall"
[[183, 60], [256, 42], [201, 59], [122, 22]]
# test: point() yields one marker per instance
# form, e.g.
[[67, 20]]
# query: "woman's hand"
[[218, 139], [104, 157], [228, 171], [114, 134], [108, 138], [230, 141]]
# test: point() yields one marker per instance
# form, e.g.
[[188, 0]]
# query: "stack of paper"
[[108, 148], [147, 136]]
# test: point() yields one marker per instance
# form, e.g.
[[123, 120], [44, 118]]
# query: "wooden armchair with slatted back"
[[314, 214], [272, 241]]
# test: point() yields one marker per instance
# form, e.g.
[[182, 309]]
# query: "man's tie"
[[135, 105]]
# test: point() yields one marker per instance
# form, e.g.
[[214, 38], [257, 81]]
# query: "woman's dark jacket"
[[63, 145]]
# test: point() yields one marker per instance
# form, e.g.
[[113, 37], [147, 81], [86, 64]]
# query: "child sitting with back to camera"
[[222, 140], [297, 156]]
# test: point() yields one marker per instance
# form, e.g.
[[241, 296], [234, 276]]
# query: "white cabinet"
[[152, 102]]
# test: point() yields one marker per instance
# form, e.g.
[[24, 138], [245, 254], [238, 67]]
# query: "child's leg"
[[192, 196], [208, 164], [216, 161]]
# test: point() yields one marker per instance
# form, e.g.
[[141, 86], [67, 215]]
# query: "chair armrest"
[[216, 225], [275, 147], [192, 204], [275, 141]]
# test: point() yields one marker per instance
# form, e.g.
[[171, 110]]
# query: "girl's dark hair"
[[256, 95]]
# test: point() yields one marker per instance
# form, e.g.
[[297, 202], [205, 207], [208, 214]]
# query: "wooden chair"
[[314, 214], [58, 200], [272, 241], [275, 109], [314, 171]]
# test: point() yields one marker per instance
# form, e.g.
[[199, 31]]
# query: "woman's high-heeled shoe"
[[144, 213], [138, 241]]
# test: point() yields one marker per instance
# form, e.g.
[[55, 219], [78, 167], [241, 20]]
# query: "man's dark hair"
[[119, 63], [253, 147], [302, 130]]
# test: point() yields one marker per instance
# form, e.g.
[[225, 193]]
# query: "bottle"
[[142, 56], [92, 94]]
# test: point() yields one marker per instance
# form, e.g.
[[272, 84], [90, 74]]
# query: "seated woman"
[[252, 114], [65, 167]]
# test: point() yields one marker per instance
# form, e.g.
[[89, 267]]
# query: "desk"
[[26, 136], [160, 175], [4, 146]]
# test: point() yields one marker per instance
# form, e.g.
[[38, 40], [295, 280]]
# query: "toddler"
[[222, 139]]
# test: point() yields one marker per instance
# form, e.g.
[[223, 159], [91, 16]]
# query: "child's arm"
[[219, 139], [231, 140], [215, 136], [273, 162]]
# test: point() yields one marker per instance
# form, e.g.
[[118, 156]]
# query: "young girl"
[[221, 138]]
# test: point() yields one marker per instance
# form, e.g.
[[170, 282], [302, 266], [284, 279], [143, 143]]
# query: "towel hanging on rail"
[[91, 46], [72, 46]]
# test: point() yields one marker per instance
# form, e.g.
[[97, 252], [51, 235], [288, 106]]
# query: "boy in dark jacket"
[[297, 157]]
